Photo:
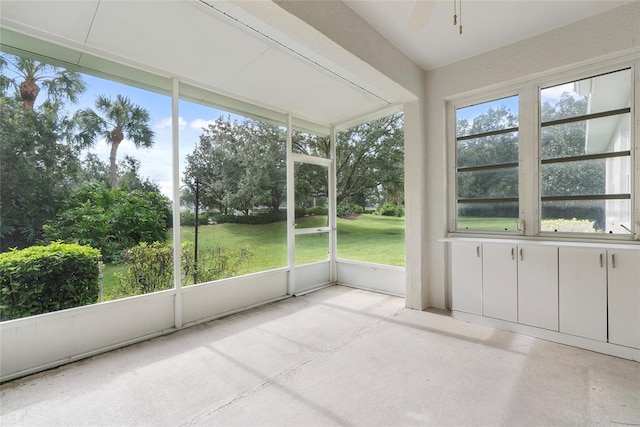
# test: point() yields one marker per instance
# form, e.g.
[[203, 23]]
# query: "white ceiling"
[[487, 25], [212, 44], [225, 47]]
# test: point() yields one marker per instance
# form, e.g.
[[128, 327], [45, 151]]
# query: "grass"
[[267, 243], [110, 281], [370, 238]]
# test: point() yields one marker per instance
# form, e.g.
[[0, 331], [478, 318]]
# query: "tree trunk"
[[29, 92], [116, 139]]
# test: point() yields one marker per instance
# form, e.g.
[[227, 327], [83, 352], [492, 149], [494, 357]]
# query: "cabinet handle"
[[478, 251], [613, 260], [521, 255], [513, 255], [601, 261]]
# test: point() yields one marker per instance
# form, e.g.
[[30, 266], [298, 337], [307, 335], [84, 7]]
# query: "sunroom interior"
[[322, 67]]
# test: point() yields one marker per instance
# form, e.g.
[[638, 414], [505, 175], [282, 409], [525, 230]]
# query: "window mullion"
[[528, 157]]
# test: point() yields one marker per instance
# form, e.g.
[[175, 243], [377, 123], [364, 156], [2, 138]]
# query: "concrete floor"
[[337, 356]]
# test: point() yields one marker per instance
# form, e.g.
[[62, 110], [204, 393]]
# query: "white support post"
[[175, 139], [333, 222], [291, 209]]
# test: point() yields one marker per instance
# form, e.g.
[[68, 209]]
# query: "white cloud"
[[167, 122], [553, 94], [201, 123]]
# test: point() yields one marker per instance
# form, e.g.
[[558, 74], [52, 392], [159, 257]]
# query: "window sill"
[[543, 241]]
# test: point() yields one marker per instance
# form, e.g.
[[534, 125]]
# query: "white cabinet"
[[579, 290], [600, 294], [582, 285], [500, 281], [466, 277], [520, 284], [538, 286], [624, 297]]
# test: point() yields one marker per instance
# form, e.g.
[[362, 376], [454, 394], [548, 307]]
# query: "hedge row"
[[188, 218], [41, 279]]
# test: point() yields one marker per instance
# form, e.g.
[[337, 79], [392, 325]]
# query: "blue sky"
[[551, 95], [473, 111], [155, 161]]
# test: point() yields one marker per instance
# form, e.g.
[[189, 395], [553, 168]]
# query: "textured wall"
[[571, 47]]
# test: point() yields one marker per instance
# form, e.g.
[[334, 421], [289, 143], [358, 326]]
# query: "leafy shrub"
[[389, 209], [150, 267], [110, 220], [317, 210], [189, 219], [41, 279], [214, 265], [345, 209], [262, 218]]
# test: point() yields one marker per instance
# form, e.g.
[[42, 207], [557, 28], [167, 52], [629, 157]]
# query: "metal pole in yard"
[[100, 278], [195, 242]]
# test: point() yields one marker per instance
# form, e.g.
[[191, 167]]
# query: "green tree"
[[38, 165], [570, 178], [239, 165], [110, 219], [568, 140], [38, 168], [95, 170], [114, 120], [557, 142], [370, 162], [494, 150], [129, 178], [30, 75]]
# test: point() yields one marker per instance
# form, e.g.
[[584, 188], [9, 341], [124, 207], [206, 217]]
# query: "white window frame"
[[452, 108], [633, 158], [530, 192]]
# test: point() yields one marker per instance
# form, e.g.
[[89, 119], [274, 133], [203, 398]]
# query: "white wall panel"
[[312, 276], [376, 277], [52, 339], [206, 301]]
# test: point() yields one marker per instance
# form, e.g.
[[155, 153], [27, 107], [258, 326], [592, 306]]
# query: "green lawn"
[[371, 238], [267, 243]]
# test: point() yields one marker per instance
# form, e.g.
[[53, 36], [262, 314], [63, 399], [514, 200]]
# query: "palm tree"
[[58, 82], [114, 120]]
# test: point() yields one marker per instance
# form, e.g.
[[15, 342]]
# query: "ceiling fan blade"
[[421, 14]]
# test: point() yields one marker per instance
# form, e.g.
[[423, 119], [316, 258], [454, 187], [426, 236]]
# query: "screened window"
[[585, 155], [234, 184], [487, 166]]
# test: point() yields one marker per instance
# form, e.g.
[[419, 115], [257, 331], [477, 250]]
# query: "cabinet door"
[[538, 286], [582, 294], [500, 281], [624, 297], [466, 277]]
